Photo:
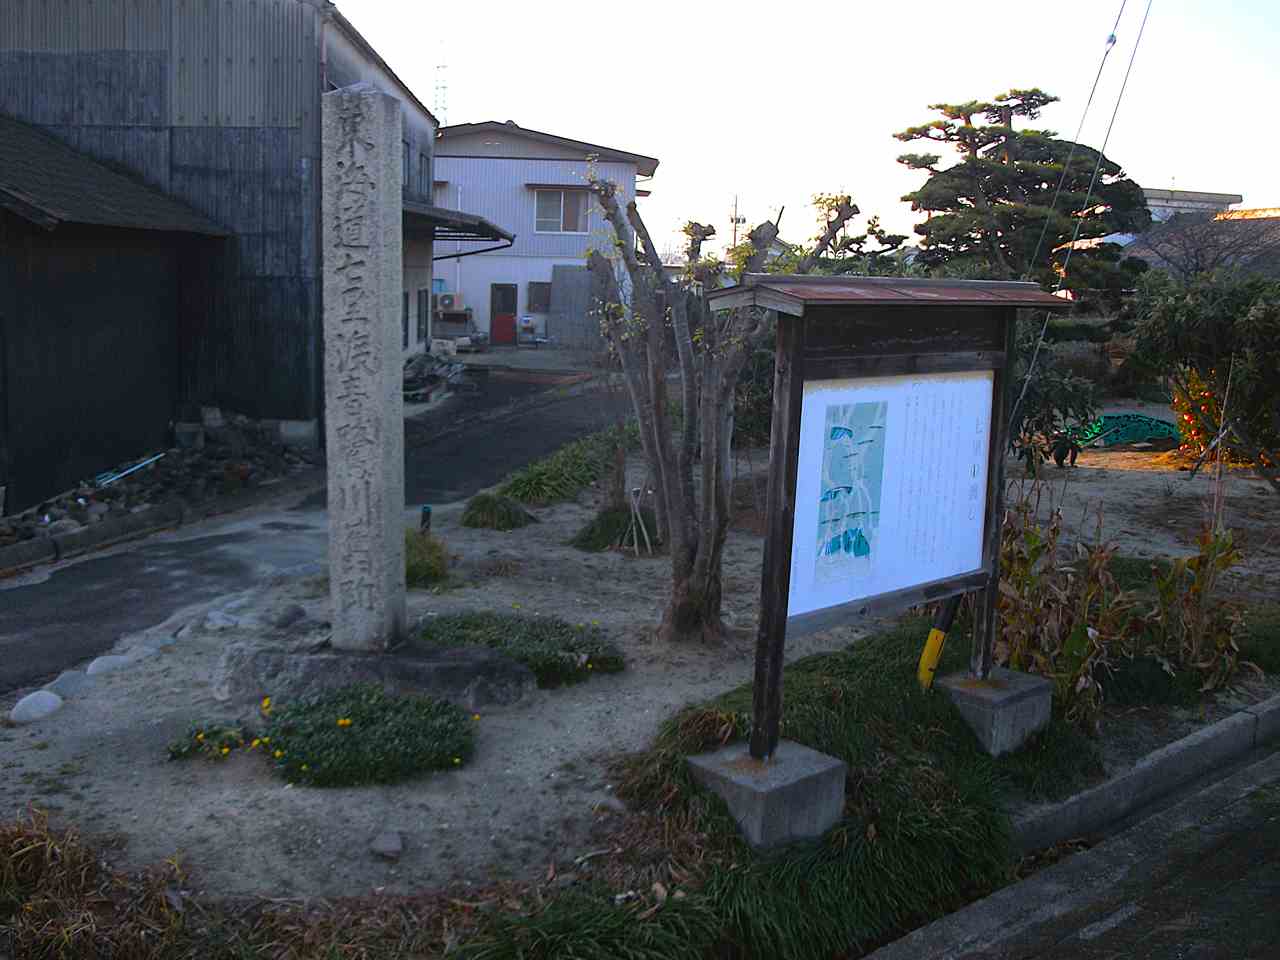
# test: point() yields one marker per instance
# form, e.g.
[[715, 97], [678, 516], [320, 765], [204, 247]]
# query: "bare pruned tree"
[[657, 320], [1190, 244]]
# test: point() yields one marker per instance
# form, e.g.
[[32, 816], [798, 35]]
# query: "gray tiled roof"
[[45, 181]]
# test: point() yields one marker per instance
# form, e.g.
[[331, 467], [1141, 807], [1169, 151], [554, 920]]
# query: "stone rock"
[[59, 527], [107, 664], [289, 616], [189, 436], [70, 683], [471, 677], [388, 845], [35, 706], [218, 620]]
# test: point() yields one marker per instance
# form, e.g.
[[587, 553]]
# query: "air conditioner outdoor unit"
[[450, 302]]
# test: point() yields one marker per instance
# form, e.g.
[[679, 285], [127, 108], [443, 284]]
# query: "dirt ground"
[[531, 792]]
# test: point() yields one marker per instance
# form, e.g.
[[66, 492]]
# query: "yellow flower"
[[278, 754], [225, 751], [344, 721], [475, 716], [589, 666], [254, 744], [305, 767], [457, 761], [266, 740], [200, 737]]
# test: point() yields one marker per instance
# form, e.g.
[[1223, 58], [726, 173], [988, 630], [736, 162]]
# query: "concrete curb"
[[1153, 777], [1035, 914], [18, 557]]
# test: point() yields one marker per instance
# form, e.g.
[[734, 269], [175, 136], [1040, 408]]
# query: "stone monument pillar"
[[363, 398]]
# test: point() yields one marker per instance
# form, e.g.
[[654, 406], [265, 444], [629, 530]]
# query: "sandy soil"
[[532, 791]]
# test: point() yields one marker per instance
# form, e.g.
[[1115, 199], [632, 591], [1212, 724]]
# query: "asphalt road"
[[56, 617], [1223, 907]]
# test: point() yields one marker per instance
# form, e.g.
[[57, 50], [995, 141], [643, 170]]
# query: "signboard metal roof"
[[792, 293]]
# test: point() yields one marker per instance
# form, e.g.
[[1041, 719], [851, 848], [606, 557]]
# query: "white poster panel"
[[891, 489]]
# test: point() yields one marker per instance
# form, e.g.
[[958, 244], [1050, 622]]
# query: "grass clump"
[[923, 830], [1137, 574], [426, 560], [496, 512], [1260, 642], [360, 735], [557, 652], [562, 474], [60, 901], [611, 527]]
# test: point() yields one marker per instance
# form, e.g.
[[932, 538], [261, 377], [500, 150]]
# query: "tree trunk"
[[616, 482], [693, 611]]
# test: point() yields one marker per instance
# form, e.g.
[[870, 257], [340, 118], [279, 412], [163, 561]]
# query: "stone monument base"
[[470, 677], [797, 795], [1004, 710]]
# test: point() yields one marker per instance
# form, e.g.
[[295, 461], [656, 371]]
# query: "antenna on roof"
[[440, 106]]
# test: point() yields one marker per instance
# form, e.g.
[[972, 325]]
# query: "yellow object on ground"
[[929, 659]]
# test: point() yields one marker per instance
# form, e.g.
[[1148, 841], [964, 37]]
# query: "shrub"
[[1061, 619], [611, 527], [565, 472], [359, 735], [557, 652], [1069, 619], [213, 741], [1206, 333], [1074, 329], [496, 512], [1190, 626], [426, 561]]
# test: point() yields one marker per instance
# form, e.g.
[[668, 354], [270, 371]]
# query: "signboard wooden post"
[[886, 463]]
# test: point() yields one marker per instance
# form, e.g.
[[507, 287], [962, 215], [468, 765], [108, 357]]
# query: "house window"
[[561, 211], [404, 321], [404, 164], [424, 180], [539, 297], [424, 298]]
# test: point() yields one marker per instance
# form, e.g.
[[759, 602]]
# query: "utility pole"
[[440, 105], [736, 220]]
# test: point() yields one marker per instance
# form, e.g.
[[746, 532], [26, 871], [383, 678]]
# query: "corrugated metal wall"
[[216, 102], [497, 191]]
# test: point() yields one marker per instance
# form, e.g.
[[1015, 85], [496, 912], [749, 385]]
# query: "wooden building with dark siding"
[[90, 301], [216, 104]]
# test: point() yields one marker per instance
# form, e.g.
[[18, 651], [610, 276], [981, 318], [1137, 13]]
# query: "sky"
[[774, 102]]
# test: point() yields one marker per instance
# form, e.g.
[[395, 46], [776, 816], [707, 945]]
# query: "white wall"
[[417, 282], [497, 190]]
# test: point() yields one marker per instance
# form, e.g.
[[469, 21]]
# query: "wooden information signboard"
[[886, 470]]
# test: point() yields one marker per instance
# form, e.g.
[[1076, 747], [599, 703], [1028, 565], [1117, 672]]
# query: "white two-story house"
[[534, 184]]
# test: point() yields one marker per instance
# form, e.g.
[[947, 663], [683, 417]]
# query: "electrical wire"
[[1044, 329], [1057, 191]]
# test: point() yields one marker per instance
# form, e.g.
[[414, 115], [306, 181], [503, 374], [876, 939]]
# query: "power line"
[[1053, 205], [1044, 329]]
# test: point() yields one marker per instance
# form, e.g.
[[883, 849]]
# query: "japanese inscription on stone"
[[363, 401]]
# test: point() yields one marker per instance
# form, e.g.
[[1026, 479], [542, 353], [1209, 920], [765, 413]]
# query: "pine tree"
[[988, 211]]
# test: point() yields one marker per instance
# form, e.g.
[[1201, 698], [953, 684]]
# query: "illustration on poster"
[[850, 491]]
